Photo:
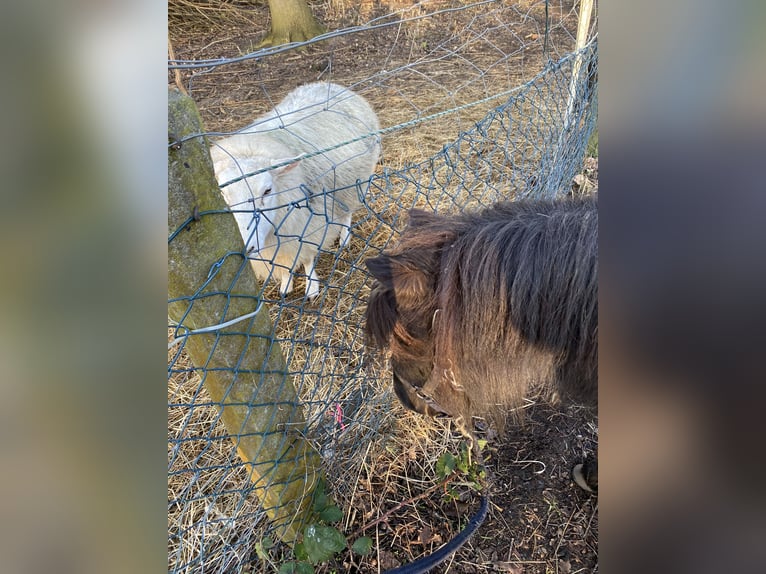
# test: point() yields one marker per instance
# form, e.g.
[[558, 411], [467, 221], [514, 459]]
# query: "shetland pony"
[[478, 307]]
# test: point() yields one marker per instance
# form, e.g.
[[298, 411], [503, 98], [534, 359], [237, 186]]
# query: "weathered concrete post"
[[245, 370]]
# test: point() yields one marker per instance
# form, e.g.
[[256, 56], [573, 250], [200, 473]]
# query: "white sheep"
[[301, 202]]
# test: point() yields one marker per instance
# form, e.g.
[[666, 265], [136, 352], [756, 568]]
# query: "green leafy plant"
[[445, 465], [463, 463], [471, 470], [362, 545], [320, 540]]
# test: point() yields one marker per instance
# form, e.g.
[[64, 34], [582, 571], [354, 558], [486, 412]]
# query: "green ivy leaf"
[[362, 546], [322, 542], [464, 460], [331, 514], [451, 494], [321, 500], [445, 465], [300, 551]]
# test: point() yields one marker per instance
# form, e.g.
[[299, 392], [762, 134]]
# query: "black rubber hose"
[[424, 564]]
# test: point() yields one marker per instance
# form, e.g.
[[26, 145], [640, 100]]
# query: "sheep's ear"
[[220, 162], [380, 267], [285, 168]]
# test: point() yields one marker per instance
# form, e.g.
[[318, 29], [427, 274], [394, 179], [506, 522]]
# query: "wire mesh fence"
[[477, 103]]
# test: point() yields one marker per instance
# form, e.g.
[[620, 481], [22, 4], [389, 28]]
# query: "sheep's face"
[[251, 198], [248, 192]]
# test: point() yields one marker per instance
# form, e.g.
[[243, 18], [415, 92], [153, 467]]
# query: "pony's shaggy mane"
[[476, 308]]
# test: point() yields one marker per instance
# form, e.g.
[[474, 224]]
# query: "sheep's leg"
[[345, 227], [287, 283], [312, 280]]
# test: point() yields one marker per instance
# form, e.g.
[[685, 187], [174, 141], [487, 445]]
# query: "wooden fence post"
[[243, 367]]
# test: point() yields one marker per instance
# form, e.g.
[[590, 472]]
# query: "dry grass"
[[381, 455]]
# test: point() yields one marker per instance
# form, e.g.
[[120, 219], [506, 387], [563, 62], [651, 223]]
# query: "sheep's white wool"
[[294, 208]]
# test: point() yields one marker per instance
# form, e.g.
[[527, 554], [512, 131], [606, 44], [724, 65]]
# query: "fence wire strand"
[[511, 140]]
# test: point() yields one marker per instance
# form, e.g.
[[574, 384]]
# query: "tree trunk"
[[243, 368], [291, 21]]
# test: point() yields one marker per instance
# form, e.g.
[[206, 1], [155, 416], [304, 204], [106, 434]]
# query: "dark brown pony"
[[476, 308]]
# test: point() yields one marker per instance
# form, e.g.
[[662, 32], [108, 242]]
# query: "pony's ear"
[[380, 268], [419, 218], [400, 273], [380, 317]]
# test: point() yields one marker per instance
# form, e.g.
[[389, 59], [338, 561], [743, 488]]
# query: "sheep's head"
[[258, 191], [252, 198]]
